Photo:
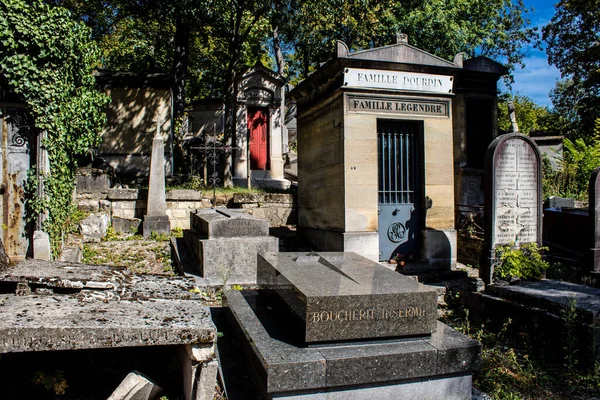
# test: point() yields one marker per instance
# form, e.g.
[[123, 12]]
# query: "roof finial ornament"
[[401, 38]]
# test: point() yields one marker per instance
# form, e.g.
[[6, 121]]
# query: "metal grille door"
[[398, 184]]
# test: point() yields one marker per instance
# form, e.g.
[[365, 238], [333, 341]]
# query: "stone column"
[[156, 219]]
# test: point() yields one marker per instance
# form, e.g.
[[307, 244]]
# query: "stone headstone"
[[344, 296], [156, 219], [560, 202], [513, 206], [594, 212]]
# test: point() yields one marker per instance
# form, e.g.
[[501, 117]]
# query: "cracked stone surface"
[[76, 306]]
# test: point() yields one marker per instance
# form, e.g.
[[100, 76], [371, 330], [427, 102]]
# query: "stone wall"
[[130, 204], [278, 209]]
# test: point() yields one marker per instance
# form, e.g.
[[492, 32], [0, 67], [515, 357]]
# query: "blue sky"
[[537, 78]]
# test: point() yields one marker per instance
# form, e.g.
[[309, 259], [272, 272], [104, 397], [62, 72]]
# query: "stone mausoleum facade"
[[260, 133], [390, 141]]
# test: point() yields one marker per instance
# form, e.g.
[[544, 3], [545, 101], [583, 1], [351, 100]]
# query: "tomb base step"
[[430, 367]]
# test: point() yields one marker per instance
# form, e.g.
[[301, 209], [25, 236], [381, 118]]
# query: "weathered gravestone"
[[561, 202], [513, 202], [156, 219], [340, 326], [594, 213], [226, 242]]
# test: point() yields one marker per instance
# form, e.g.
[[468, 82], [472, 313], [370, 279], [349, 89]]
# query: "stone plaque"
[[344, 296], [394, 105], [516, 193], [401, 80]]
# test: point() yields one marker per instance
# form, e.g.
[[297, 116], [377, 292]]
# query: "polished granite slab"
[[344, 296], [282, 364]]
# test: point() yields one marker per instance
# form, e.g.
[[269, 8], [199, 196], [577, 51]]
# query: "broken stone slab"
[[59, 274], [136, 386], [121, 282], [48, 323], [199, 366], [94, 227]]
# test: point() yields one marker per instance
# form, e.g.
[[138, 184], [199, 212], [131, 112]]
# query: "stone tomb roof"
[[399, 53], [396, 57]]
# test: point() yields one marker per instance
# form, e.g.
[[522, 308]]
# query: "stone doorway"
[[399, 182], [258, 133]]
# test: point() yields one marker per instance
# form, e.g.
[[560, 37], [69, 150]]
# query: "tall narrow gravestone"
[[594, 213], [513, 196], [156, 219]]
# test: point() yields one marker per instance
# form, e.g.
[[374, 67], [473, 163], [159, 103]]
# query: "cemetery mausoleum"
[[390, 141], [138, 102], [260, 135]]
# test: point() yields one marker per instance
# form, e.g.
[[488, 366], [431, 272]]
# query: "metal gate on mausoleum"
[[398, 187]]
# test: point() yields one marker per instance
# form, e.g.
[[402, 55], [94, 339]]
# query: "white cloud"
[[536, 79]]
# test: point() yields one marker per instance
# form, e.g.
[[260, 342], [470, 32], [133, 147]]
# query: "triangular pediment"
[[399, 53], [261, 72]]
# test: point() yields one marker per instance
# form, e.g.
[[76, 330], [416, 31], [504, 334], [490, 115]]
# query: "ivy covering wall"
[[46, 58]]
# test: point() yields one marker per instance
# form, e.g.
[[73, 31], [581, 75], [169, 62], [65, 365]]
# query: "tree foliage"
[[531, 117], [573, 45], [47, 58], [578, 162], [496, 28]]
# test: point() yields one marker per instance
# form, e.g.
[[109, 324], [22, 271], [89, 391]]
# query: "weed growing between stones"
[[523, 262]]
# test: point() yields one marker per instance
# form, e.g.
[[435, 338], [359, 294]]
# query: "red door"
[[257, 127]]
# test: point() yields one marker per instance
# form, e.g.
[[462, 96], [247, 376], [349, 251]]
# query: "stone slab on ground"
[[344, 296], [542, 306], [41, 323], [553, 296], [283, 366]]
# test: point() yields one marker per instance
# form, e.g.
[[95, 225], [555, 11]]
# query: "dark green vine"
[[46, 58]]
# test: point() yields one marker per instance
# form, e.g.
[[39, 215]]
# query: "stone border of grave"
[[490, 210]]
